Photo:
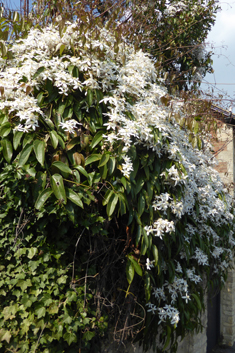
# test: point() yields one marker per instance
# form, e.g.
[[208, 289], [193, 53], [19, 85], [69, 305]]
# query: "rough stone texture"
[[227, 324], [224, 151]]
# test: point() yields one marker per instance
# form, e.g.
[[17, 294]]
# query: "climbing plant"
[[111, 214]]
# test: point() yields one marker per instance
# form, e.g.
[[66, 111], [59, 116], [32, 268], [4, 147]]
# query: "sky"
[[221, 41]]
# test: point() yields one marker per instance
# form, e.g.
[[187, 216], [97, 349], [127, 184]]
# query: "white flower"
[[149, 264], [70, 125], [127, 167]]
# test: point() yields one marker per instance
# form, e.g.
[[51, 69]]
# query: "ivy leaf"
[[32, 252], [7, 149], [73, 196], [62, 166], [40, 312], [58, 187], [42, 198], [111, 204], [130, 271], [5, 335], [24, 156], [39, 150], [70, 337], [88, 335]]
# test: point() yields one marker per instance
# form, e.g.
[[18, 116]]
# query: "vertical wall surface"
[[225, 148]]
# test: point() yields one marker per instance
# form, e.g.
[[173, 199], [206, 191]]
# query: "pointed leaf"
[[62, 47], [93, 158], [39, 150], [136, 265], [141, 204], [5, 129], [73, 196], [7, 149], [107, 196], [42, 198], [82, 170], [104, 159], [16, 138], [155, 254], [70, 337], [54, 138], [96, 139], [24, 156], [5, 335], [130, 272], [38, 72], [111, 165], [111, 204], [58, 187], [62, 166]]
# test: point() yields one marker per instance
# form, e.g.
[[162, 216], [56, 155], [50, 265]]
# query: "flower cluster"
[[190, 202]]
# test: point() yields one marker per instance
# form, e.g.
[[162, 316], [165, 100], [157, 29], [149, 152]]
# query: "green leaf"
[[141, 204], [40, 312], [111, 204], [39, 150], [82, 170], [62, 166], [88, 335], [25, 154], [32, 252], [16, 138], [96, 139], [107, 196], [75, 141], [7, 149], [89, 97], [168, 337], [54, 138], [111, 165], [73, 196], [138, 235], [155, 254], [58, 187], [5, 335], [5, 129], [38, 72], [136, 265], [93, 158], [130, 271], [70, 337], [104, 159], [197, 301], [42, 198], [62, 47]]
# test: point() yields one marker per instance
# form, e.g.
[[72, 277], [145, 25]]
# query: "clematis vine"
[[175, 202]]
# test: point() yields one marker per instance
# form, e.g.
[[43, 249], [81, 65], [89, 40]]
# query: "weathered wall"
[[224, 151]]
